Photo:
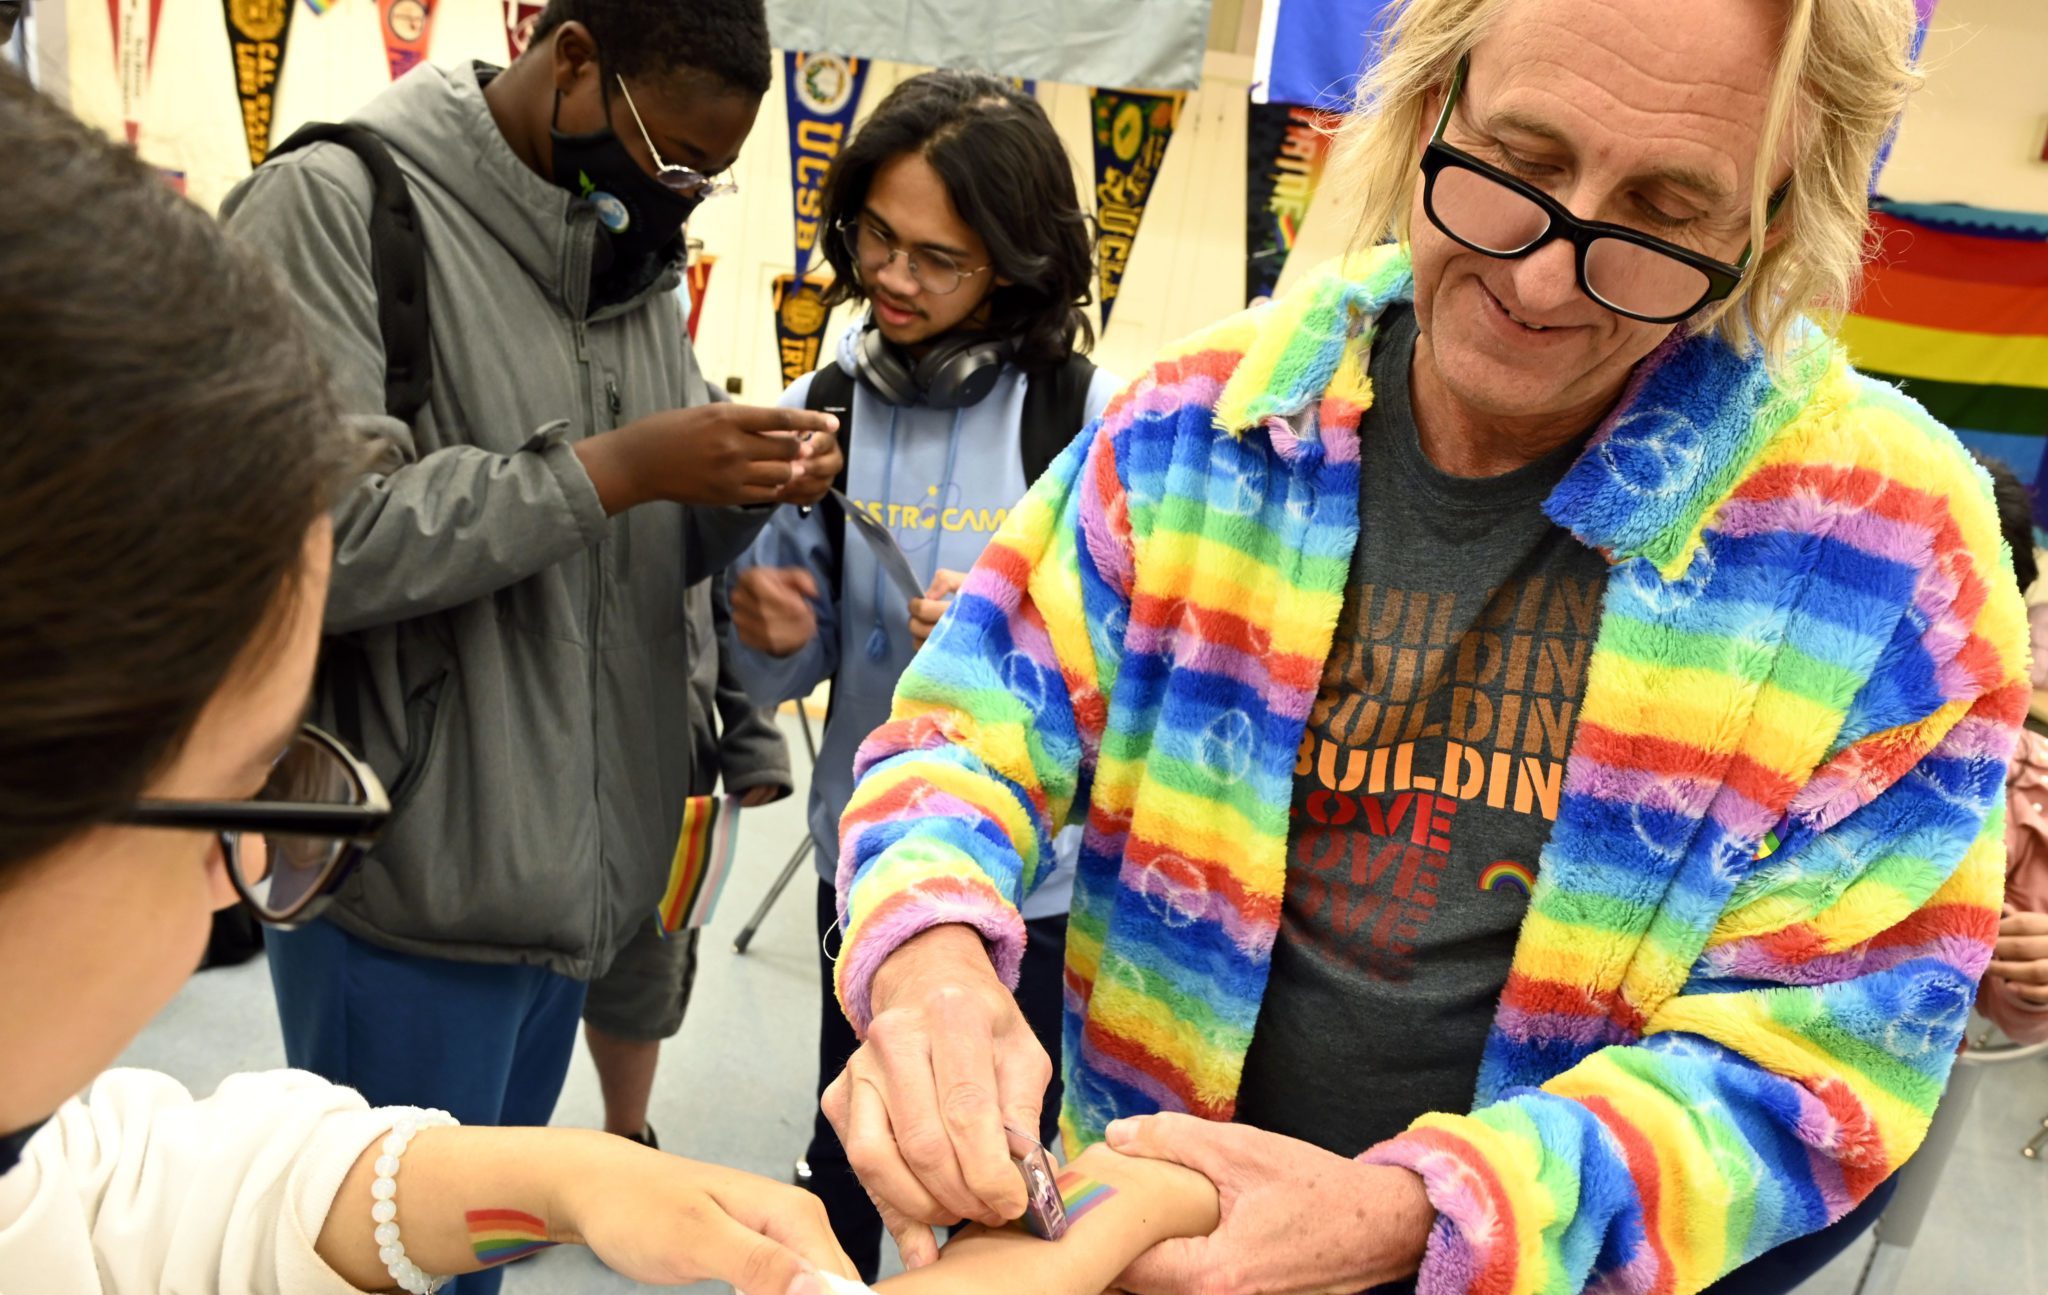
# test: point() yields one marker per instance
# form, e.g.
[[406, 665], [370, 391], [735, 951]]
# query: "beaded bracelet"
[[384, 1203]]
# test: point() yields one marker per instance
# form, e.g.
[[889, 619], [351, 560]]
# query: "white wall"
[[1971, 136], [1974, 132], [1186, 271]]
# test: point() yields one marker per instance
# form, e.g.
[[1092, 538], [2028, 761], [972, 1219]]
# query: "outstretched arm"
[[1136, 1204]]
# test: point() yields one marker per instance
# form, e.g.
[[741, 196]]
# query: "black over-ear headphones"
[[955, 373]]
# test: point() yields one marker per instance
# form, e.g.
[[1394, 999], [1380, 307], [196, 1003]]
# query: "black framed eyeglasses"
[[872, 251], [293, 844], [1629, 272], [683, 181]]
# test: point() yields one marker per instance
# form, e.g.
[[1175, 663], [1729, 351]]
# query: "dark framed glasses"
[[1629, 272], [289, 847], [682, 181]]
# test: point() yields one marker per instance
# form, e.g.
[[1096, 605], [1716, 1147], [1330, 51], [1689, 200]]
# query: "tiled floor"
[[736, 1087]]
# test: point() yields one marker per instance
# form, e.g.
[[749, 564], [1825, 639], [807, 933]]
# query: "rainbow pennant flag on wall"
[[703, 860], [1954, 309]]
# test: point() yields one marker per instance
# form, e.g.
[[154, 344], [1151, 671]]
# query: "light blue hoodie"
[[942, 481]]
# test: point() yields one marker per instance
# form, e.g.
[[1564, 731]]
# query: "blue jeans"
[[487, 1042]]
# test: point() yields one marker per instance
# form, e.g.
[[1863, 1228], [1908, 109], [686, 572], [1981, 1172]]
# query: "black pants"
[[1039, 994]]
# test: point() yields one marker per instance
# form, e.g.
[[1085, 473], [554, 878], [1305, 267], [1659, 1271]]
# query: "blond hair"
[[1844, 73]]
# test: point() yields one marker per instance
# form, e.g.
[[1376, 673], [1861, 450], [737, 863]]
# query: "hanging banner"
[[799, 325], [698, 278], [1286, 147], [519, 20], [173, 180], [319, 7], [1157, 43], [1312, 52], [1132, 131], [134, 53], [823, 90], [1954, 308], [407, 25], [257, 31]]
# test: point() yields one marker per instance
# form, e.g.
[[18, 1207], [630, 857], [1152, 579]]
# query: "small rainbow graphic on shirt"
[[1507, 875]]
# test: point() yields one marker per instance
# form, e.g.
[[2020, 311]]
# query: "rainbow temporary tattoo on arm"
[[500, 1236], [1081, 1194]]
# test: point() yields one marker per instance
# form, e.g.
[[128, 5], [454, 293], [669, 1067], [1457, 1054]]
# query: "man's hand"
[[771, 609], [755, 797], [718, 454], [925, 611], [1297, 1220], [947, 1062], [2021, 956]]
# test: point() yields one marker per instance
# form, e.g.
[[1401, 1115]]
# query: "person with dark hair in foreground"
[[952, 217], [509, 611], [167, 467]]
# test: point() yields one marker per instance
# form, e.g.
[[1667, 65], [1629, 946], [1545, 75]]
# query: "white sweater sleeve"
[[138, 1189]]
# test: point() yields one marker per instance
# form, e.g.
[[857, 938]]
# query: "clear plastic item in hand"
[[1045, 1213]]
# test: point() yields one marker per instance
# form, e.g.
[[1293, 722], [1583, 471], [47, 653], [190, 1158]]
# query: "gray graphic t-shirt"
[[1426, 784]]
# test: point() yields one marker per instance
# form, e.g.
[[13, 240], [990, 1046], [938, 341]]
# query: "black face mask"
[[640, 216]]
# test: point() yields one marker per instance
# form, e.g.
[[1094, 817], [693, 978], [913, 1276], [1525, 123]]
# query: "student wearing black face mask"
[[507, 622]]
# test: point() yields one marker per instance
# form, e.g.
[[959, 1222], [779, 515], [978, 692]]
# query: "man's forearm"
[[953, 953]]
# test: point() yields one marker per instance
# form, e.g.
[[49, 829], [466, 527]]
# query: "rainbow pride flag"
[[1954, 309], [703, 859]]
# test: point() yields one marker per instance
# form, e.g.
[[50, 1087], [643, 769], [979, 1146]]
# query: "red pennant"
[[134, 24], [407, 25], [700, 282], [519, 19]]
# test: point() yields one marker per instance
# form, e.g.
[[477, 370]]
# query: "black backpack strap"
[[398, 262], [398, 266], [831, 392], [1055, 412]]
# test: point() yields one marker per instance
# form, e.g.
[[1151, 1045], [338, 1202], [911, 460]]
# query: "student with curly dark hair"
[[952, 217], [509, 624]]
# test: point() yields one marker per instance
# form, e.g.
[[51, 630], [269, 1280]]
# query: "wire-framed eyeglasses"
[[872, 251], [681, 180]]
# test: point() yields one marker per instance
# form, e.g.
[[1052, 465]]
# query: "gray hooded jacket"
[[527, 675]]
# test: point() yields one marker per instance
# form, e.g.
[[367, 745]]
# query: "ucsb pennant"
[[800, 313], [1131, 133], [407, 26], [1286, 147], [257, 31], [824, 91]]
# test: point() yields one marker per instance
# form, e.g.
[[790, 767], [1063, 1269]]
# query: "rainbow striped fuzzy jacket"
[[1775, 872]]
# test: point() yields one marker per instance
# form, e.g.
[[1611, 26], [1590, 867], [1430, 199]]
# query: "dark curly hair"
[[1012, 183], [726, 38], [169, 440], [2015, 517]]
